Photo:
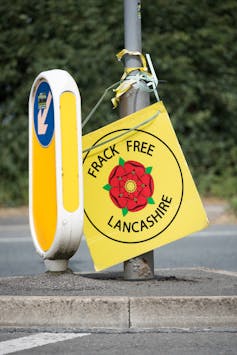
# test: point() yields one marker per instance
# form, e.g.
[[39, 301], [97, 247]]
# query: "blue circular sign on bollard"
[[44, 114]]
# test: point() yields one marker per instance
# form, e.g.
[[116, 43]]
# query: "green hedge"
[[193, 48]]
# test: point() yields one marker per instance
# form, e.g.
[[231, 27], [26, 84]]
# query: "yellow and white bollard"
[[55, 168]]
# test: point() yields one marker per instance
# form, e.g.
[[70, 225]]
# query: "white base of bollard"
[[56, 265]]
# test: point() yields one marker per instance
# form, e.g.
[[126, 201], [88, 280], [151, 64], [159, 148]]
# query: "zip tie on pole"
[[122, 134], [155, 80], [128, 79], [146, 83]]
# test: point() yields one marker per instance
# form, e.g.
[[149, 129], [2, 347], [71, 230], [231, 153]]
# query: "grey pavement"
[[184, 298], [167, 282]]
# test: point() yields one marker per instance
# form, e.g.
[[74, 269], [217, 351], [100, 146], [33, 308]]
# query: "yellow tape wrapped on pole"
[[127, 82], [55, 167], [139, 192]]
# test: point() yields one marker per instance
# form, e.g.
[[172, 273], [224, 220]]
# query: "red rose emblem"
[[130, 186]]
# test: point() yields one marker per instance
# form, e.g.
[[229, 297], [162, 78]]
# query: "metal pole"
[[142, 266]]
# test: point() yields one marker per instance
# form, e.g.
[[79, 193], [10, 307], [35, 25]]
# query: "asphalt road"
[[214, 247], [166, 342]]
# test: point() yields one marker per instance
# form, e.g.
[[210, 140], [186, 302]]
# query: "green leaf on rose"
[[148, 169], [107, 187], [124, 211], [121, 161], [150, 201]]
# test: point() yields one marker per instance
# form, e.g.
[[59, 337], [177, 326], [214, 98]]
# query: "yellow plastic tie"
[[120, 90], [123, 52], [126, 85]]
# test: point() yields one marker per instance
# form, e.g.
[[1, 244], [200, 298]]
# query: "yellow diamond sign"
[[138, 191]]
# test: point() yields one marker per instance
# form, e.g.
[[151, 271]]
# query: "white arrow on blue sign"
[[44, 114]]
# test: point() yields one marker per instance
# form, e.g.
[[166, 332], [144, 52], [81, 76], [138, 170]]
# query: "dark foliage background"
[[193, 45]]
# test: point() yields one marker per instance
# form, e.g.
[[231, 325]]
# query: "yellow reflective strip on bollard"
[[68, 119], [44, 192]]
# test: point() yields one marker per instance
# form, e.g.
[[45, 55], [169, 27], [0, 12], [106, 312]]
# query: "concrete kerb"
[[114, 312], [152, 312], [62, 311]]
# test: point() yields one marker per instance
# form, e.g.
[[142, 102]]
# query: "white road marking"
[[222, 272], [35, 340], [15, 240], [217, 233]]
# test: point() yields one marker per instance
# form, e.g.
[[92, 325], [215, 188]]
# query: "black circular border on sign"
[[141, 241]]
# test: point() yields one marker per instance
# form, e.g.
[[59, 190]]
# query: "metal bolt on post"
[[142, 266]]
